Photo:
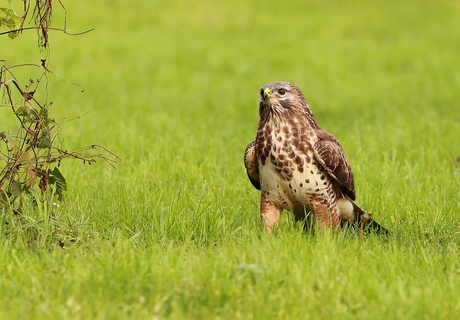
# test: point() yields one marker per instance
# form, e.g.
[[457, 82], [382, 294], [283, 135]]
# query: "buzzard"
[[298, 166]]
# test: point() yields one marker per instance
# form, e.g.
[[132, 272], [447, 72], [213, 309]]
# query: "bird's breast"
[[288, 168]]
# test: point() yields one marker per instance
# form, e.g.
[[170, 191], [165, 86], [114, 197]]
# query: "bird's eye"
[[281, 92]]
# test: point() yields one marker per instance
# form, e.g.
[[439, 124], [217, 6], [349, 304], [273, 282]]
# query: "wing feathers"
[[251, 164], [330, 155]]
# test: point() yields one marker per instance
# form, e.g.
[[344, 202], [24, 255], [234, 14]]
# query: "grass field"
[[173, 233]]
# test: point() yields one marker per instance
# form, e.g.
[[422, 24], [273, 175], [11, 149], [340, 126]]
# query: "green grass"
[[172, 88]]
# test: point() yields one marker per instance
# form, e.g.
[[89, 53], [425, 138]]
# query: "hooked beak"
[[266, 93]]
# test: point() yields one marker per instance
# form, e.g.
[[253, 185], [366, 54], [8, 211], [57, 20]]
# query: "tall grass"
[[172, 88]]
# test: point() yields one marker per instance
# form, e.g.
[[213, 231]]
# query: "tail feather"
[[363, 220]]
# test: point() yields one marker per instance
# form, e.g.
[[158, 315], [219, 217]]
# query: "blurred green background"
[[172, 88]]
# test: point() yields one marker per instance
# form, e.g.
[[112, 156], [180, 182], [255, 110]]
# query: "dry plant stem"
[[52, 29], [31, 154]]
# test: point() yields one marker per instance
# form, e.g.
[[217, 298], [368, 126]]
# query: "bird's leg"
[[327, 218], [269, 213]]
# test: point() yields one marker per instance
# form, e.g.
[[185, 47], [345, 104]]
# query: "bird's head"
[[280, 98], [283, 100]]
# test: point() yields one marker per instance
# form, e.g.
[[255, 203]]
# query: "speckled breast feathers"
[[297, 165]]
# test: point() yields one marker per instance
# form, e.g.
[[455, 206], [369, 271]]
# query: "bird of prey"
[[299, 167]]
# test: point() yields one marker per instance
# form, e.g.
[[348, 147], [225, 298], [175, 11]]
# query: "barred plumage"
[[298, 166]]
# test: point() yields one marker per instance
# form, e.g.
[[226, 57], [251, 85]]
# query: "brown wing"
[[252, 165], [330, 155]]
